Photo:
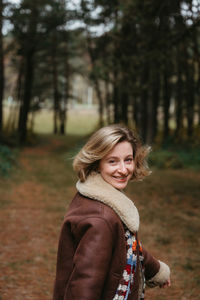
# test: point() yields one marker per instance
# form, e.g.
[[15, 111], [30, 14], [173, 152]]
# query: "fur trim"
[[161, 277], [95, 187]]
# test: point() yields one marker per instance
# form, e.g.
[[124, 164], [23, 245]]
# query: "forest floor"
[[34, 200]]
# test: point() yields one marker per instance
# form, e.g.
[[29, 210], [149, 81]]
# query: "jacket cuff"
[[161, 277]]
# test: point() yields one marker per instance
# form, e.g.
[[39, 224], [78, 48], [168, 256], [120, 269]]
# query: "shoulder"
[[83, 209]]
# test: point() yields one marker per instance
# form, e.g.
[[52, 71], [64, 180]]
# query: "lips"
[[124, 178]]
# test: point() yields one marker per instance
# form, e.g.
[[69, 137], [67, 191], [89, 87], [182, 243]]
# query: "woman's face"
[[117, 166]]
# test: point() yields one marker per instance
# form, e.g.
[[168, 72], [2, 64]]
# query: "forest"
[[68, 68], [141, 58]]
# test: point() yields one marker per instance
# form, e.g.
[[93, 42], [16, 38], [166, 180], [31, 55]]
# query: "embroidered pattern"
[[127, 281]]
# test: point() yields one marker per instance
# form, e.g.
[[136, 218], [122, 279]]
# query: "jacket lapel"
[[96, 188]]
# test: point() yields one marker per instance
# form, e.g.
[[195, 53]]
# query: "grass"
[[36, 196], [79, 122], [169, 205], [7, 160], [176, 158]]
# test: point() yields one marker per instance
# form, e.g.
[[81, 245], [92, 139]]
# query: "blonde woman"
[[99, 255]]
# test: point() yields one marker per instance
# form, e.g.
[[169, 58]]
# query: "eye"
[[129, 160], [111, 161]]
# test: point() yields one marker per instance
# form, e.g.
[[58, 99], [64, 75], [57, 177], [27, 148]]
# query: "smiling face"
[[117, 166]]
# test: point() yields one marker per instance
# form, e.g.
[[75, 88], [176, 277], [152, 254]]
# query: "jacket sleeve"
[[156, 272], [91, 261]]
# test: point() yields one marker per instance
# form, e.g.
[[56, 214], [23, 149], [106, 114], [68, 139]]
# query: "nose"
[[122, 168]]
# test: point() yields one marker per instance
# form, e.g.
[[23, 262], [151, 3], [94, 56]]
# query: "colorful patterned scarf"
[[127, 282]]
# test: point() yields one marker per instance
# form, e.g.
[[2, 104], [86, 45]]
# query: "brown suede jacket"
[[92, 248]]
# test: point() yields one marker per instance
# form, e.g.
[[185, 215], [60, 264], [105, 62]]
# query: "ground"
[[34, 200]]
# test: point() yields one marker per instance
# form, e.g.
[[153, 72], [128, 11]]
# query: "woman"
[[99, 255]]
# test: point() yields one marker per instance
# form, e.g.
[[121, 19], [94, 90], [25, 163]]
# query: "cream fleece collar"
[[95, 187]]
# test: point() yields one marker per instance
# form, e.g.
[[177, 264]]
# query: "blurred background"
[[68, 68]]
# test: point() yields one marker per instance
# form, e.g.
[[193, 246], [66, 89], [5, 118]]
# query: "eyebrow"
[[109, 157]]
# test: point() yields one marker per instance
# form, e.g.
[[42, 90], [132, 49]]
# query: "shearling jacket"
[[92, 248]]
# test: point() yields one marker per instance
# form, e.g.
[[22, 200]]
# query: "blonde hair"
[[102, 142]]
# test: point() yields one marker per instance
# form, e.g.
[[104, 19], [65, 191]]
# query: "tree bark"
[[56, 95], [124, 101], [189, 94], [107, 103], [95, 79], [29, 53], [115, 98], [197, 85], [143, 115], [190, 100], [166, 104], [153, 103], [198, 94], [63, 106], [1, 66], [136, 112], [25, 107], [19, 89], [100, 99], [179, 98]]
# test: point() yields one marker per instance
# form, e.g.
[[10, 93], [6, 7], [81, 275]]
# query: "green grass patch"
[[79, 121], [7, 160], [17, 265], [4, 203], [175, 159]]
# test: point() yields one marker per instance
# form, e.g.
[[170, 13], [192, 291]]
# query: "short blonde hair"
[[102, 142]]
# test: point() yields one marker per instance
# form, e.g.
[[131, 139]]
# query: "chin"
[[119, 186]]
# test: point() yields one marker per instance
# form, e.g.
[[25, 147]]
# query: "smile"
[[121, 178]]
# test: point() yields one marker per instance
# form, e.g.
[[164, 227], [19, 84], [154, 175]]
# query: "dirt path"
[[29, 221], [34, 200]]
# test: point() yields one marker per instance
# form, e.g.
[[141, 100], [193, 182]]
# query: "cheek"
[[106, 169], [102, 167], [132, 168]]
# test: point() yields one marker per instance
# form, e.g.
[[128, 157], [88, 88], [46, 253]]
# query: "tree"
[[33, 23], [1, 65], [144, 61]]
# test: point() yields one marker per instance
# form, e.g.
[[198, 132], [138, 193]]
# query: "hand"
[[166, 284]]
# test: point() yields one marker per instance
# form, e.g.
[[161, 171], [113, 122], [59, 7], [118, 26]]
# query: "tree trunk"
[[115, 97], [56, 95], [136, 110], [30, 49], [27, 96], [143, 115], [179, 98], [198, 94], [62, 121], [63, 107], [190, 101], [124, 95], [190, 88], [1, 66], [108, 104], [156, 100], [19, 90], [153, 106], [95, 78], [115, 67], [100, 100], [166, 99], [197, 86]]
